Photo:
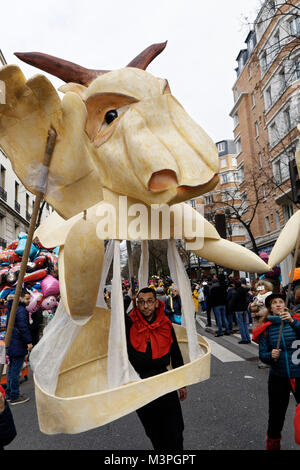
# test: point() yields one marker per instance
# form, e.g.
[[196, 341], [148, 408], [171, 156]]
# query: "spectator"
[[206, 292], [239, 304], [295, 304], [230, 313], [201, 298], [257, 306], [20, 343], [7, 425], [195, 295], [152, 345], [160, 294], [282, 366], [173, 306], [218, 303]]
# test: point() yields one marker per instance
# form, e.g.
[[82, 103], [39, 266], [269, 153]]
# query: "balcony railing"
[[17, 206], [3, 194]]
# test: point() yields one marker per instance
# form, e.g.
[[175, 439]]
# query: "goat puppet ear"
[[30, 109]]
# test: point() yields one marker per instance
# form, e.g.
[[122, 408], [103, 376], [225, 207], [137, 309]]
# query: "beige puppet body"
[[152, 153]]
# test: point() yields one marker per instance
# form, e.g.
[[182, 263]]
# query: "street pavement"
[[227, 412]]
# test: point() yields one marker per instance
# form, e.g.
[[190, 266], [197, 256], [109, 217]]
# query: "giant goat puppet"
[[119, 133]]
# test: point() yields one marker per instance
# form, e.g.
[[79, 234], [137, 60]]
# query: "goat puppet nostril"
[[162, 180]]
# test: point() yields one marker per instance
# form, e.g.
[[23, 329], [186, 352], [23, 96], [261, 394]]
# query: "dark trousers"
[[208, 312], [13, 377], [163, 422], [279, 389]]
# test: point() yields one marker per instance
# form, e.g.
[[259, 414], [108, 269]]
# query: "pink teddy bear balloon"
[[35, 302], [49, 303]]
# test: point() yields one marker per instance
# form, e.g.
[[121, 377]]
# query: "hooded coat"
[[21, 332]]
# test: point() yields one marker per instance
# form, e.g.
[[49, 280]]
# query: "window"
[[256, 129], [294, 26], [241, 174], [221, 146], [17, 230], [209, 199], [277, 218], [224, 179], [297, 67], [236, 119], [276, 44], [3, 173], [287, 118], [27, 202], [244, 200], [281, 169], [288, 211], [268, 97], [264, 62], [260, 159], [250, 70], [253, 98], [238, 145], [223, 163], [267, 221], [274, 136], [234, 161], [16, 191], [282, 80]]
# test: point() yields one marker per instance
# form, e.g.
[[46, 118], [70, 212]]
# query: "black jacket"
[[239, 301], [217, 295], [7, 427], [21, 335]]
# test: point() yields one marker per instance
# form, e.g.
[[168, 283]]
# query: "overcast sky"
[[204, 39]]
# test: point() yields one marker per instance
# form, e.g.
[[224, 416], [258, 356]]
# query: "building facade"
[[265, 114]]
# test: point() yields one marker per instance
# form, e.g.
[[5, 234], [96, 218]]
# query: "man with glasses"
[[152, 345]]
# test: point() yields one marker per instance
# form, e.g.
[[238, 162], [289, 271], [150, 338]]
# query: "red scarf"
[[261, 328], [159, 333]]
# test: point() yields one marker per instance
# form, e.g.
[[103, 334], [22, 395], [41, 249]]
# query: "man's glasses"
[[148, 302]]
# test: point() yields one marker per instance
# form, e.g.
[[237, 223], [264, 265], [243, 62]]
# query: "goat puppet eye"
[[110, 116]]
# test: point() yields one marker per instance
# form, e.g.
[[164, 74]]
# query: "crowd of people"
[[152, 345]]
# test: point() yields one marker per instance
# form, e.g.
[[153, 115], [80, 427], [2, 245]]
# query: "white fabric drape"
[[180, 278], [47, 356], [119, 369], [143, 274], [107, 260]]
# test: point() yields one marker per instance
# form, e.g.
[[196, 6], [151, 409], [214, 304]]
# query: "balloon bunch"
[[41, 277]]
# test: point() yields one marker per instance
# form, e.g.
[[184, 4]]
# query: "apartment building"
[[226, 197], [265, 114], [16, 202]]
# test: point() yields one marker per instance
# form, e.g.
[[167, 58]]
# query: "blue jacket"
[[288, 364], [21, 333]]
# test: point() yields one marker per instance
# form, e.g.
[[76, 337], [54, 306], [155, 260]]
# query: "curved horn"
[[144, 58], [63, 69]]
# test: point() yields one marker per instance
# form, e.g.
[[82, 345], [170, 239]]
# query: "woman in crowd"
[[195, 298], [257, 306], [173, 306], [283, 362]]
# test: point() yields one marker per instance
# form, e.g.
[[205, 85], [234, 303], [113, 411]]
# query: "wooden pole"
[[39, 196], [290, 286]]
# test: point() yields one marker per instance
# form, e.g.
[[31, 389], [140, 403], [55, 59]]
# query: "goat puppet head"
[[121, 130]]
